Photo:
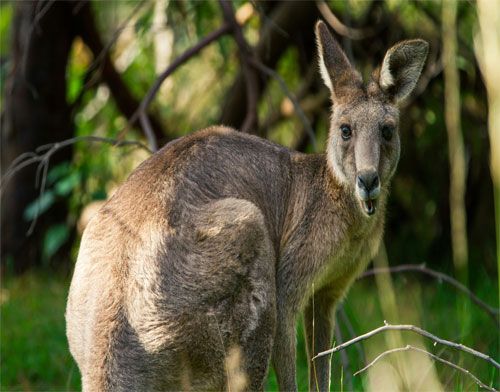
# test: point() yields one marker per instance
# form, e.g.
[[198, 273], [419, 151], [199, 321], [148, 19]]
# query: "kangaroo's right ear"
[[336, 70], [402, 67]]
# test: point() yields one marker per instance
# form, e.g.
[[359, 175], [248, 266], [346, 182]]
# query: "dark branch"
[[125, 101], [492, 312], [339, 27], [307, 125], [145, 121], [296, 17], [246, 55]]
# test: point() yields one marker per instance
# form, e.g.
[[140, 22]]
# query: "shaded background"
[[77, 69]]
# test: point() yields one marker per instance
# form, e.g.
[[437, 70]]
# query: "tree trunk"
[[36, 113]]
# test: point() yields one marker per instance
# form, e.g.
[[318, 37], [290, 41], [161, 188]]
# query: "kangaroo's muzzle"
[[368, 190]]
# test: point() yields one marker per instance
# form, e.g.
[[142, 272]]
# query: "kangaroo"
[[218, 241]]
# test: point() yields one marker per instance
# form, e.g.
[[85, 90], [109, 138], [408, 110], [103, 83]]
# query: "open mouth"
[[369, 206]]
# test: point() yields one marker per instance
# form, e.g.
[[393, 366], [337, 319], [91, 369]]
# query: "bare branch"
[[307, 125], [141, 112], [245, 54], [339, 27], [412, 328], [433, 356], [492, 312]]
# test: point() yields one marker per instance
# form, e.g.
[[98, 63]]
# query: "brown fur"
[[218, 241]]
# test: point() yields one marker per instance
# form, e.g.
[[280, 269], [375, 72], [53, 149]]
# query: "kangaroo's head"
[[363, 145]]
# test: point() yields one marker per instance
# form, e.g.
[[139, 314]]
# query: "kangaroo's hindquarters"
[[189, 312]]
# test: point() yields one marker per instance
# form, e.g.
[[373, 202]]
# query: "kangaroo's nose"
[[368, 181]]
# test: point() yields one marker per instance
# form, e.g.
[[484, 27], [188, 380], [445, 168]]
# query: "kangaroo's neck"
[[323, 210], [315, 188]]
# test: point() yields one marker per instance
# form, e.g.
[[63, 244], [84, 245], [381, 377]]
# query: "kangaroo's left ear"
[[402, 67]]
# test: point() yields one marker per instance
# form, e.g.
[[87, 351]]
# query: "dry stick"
[[245, 53], [435, 357], [290, 96], [492, 311], [146, 124], [412, 328]]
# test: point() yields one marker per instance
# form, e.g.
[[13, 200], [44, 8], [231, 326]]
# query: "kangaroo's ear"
[[402, 67], [336, 70]]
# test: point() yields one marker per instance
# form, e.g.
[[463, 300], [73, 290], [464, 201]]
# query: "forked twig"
[[492, 311], [412, 328], [433, 356], [29, 158], [42, 156]]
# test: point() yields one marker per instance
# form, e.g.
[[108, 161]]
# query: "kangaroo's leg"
[[284, 348], [319, 323]]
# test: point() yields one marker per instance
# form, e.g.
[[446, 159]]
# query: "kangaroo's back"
[[178, 267]]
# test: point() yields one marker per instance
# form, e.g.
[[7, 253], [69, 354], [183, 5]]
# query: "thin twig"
[[433, 356], [412, 328], [347, 322], [43, 154], [146, 124], [492, 311], [249, 73], [291, 96], [341, 28]]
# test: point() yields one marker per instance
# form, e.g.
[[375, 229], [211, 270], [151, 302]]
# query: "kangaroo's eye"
[[387, 132], [345, 131]]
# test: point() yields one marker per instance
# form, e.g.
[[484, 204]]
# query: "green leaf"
[[39, 206], [55, 237], [57, 172], [67, 184]]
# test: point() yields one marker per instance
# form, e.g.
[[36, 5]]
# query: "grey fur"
[[218, 241]]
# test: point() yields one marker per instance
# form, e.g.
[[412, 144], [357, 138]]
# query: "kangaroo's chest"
[[345, 262], [345, 258]]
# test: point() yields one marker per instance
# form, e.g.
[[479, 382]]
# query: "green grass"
[[34, 351], [35, 356]]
